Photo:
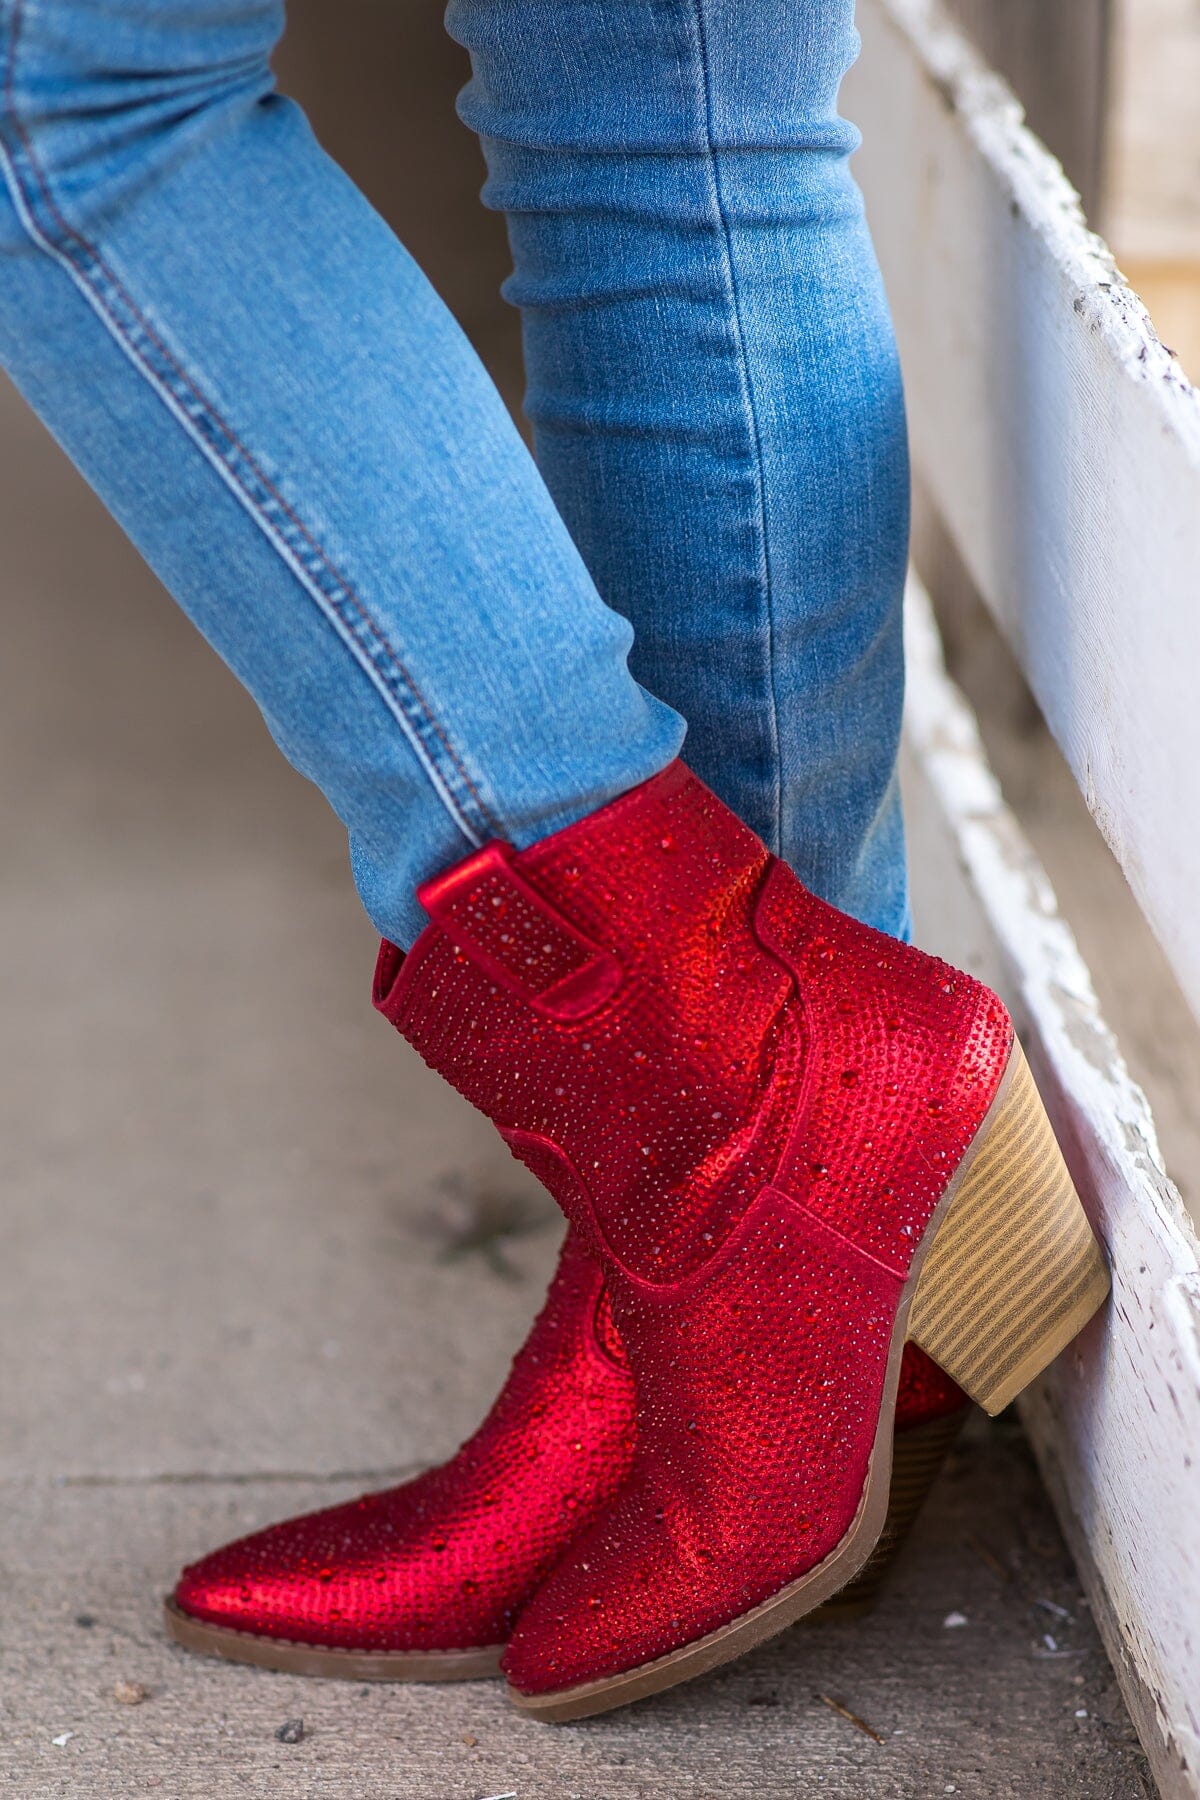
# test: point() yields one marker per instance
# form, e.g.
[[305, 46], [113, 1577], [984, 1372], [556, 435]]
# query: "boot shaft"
[[661, 1021]]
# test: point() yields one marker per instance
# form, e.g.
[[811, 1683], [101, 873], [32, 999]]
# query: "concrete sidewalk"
[[256, 1258]]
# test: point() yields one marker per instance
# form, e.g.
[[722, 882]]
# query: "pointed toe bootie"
[[793, 1143], [423, 1582]]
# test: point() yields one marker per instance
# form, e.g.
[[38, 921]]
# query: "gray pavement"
[[983, 1708]]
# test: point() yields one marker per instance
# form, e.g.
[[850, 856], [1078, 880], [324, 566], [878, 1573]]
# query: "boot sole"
[[992, 1322], [920, 1452], [292, 1658]]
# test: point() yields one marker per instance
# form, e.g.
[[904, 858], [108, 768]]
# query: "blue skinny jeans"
[[453, 641]]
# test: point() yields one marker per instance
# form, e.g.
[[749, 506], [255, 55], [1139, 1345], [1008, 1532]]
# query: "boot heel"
[[1014, 1271], [917, 1457]]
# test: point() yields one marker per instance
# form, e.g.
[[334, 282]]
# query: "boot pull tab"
[[518, 937]]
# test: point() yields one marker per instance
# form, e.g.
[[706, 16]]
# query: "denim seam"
[[748, 401], [219, 443]]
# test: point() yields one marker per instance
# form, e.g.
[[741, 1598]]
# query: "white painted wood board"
[[1059, 440], [1116, 1422]]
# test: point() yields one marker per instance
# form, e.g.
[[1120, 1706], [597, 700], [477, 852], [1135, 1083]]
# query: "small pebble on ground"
[[130, 1693]]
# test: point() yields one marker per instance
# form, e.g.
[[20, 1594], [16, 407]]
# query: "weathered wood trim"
[[1060, 441], [1116, 1422]]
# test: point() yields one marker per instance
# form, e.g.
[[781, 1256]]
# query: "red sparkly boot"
[[423, 1582], [793, 1143]]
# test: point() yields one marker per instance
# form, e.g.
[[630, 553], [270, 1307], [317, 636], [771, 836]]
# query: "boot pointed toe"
[[423, 1581]]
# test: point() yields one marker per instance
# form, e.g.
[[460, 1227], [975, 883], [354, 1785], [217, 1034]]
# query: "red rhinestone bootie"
[[424, 1581], [793, 1143]]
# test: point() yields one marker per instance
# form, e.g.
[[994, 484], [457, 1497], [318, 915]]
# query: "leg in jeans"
[[323, 370], [714, 389], [788, 1138], [273, 402]]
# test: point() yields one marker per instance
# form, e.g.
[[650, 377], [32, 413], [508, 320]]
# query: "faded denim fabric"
[[268, 395]]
